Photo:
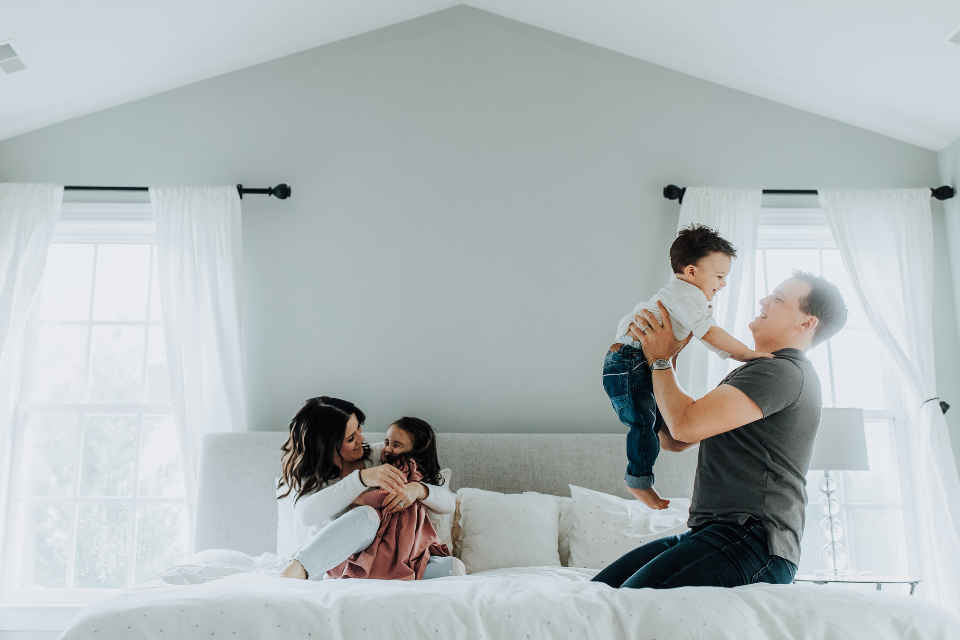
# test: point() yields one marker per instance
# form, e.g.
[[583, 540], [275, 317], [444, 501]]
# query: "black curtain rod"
[[281, 191], [673, 192]]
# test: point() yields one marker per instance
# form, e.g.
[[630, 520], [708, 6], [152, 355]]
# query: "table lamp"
[[841, 445]]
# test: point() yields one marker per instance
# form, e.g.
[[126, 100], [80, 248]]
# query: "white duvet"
[[229, 595]]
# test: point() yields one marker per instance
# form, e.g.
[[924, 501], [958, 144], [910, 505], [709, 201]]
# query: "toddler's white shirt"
[[689, 309]]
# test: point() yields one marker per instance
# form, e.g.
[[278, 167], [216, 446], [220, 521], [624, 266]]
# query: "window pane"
[[50, 455], [123, 271], [835, 272], [158, 380], [760, 276], [109, 453], [882, 482], [782, 262], [163, 532], [161, 473], [46, 543], [877, 540], [820, 358], [856, 363], [66, 282], [116, 364], [103, 546], [61, 364]]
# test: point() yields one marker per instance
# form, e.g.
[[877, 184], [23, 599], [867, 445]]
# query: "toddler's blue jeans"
[[628, 383]]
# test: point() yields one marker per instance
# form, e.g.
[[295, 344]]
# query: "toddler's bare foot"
[[649, 497], [293, 570]]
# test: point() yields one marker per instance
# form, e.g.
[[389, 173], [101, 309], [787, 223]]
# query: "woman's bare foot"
[[649, 497], [293, 570]]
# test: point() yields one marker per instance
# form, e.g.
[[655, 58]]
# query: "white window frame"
[[79, 223], [807, 228]]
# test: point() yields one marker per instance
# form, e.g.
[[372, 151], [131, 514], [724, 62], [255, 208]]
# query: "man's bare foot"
[[293, 570], [649, 497]]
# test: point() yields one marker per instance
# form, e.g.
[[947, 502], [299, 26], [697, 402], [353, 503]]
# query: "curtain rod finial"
[[943, 193], [281, 191], [673, 192]]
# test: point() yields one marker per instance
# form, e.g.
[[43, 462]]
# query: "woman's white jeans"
[[349, 534]]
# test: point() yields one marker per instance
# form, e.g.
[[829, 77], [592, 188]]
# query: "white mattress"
[[226, 594]]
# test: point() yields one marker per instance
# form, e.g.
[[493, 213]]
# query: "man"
[[756, 433]]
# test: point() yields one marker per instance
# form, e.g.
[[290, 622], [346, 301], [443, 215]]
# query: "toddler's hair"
[[696, 242], [424, 451]]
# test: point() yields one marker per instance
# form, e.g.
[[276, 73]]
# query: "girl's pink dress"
[[404, 543]]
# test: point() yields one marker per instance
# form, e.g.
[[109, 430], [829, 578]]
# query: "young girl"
[[405, 542], [329, 467]]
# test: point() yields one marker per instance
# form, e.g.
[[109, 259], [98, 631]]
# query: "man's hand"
[[657, 339]]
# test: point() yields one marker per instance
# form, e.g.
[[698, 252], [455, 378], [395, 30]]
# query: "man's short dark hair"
[[825, 302], [695, 243]]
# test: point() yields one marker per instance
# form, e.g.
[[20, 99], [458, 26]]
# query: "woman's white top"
[[689, 309], [335, 497]]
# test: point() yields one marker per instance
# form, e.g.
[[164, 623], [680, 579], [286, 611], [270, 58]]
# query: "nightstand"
[[877, 580]]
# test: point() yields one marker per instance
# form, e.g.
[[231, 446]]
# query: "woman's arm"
[[322, 505]]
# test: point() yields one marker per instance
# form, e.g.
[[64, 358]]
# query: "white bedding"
[[231, 595]]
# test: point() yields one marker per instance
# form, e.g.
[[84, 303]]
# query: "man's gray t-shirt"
[[760, 469]]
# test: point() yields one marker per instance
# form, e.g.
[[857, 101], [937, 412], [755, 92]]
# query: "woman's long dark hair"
[[316, 435], [424, 451]]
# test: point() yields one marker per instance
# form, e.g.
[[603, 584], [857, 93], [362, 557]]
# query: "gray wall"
[[476, 203]]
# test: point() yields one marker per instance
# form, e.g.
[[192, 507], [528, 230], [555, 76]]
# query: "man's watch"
[[660, 364]]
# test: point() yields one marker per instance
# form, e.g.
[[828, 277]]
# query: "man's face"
[[780, 313]]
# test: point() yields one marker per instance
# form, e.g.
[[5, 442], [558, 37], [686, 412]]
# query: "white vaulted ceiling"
[[877, 64]]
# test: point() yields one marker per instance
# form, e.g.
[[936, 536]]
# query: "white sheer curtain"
[[198, 247], [735, 214], [885, 238], [28, 216]]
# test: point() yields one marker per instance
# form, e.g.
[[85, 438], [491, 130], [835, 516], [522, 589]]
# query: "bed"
[[227, 588]]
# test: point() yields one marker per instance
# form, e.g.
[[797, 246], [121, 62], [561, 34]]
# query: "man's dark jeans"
[[719, 554]]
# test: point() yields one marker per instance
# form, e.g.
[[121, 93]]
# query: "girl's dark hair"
[[696, 242], [424, 451], [316, 434]]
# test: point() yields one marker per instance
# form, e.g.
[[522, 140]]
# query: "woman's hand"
[[385, 476], [403, 499]]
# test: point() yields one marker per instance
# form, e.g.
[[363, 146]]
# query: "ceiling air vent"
[[11, 58]]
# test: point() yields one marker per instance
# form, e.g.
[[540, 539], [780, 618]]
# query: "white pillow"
[[605, 527], [443, 522], [566, 522], [507, 530], [291, 534]]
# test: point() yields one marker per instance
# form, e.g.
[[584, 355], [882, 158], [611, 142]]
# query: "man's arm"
[[723, 409], [669, 443]]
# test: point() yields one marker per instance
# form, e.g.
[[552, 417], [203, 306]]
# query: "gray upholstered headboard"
[[236, 503]]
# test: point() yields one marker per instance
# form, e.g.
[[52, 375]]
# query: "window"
[[97, 494], [874, 517]]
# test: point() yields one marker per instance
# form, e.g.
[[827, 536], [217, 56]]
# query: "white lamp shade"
[[841, 442]]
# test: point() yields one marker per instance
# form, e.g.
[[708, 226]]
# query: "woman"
[[328, 465]]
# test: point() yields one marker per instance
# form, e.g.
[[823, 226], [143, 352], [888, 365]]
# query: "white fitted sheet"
[[227, 594]]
